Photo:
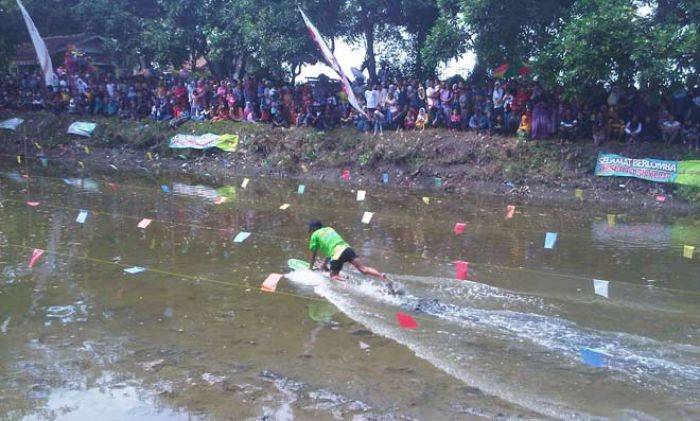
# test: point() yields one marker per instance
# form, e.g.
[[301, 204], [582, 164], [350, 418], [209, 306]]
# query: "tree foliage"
[[579, 44]]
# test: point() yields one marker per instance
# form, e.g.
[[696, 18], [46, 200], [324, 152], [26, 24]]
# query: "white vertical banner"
[[332, 61], [42, 53]]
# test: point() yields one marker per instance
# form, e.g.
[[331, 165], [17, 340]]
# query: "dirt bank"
[[463, 162]]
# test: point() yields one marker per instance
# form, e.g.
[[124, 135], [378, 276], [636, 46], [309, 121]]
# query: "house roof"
[[25, 54]]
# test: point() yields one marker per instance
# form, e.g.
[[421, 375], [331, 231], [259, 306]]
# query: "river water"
[[193, 337]]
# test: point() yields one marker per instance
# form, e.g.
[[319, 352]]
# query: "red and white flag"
[[42, 53], [332, 61]]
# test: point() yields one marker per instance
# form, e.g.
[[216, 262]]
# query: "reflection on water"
[[193, 337]]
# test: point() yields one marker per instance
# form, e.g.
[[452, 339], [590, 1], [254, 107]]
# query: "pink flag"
[[36, 255], [332, 61], [406, 321], [346, 175], [270, 284], [510, 210], [33, 204], [461, 270], [459, 227]]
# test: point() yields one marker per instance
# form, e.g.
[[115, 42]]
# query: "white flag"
[[41, 52], [332, 61]]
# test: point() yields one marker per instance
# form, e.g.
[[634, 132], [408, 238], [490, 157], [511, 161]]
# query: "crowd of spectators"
[[519, 107]]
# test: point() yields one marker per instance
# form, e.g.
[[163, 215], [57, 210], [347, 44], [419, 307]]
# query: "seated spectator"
[[221, 114], [455, 122], [599, 128], [633, 129], [478, 121], [525, 127], [421, 119], [670, 130], [498, 126], [409, 123], [568, 126]]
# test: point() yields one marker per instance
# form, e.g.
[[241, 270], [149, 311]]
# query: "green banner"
[[678, 172]]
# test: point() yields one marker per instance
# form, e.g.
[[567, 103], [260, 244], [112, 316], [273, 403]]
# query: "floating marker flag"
[[593, 357], [19, 159], [270, 284], [367, 217], [165, 188], [11, 124], [149, 156], [385, 178], [461, 270], [134, 270], [361, 195], [245, 183], [33, 204], [304, 168], [81, 164], [579, 194], [688, 251], [661, 198], [44, 162], [301, 189], [36, 255], [406, 321], [219, 200], [241, 237], [37, 145], [459, 227], [285, 206], [82, 216], [550, 239], [145, 222], [346, 175], [87, 150], [112, 186], [611, 220], [438, 182], [510, 210], [601, 287], [42, 53], [426, 200]]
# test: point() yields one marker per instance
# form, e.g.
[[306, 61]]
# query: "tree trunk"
[[370, 59]]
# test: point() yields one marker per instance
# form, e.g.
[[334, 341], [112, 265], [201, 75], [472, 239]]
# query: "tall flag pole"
[[41, 52], [332, 61]]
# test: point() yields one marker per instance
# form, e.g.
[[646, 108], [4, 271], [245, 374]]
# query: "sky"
[[352, 55]]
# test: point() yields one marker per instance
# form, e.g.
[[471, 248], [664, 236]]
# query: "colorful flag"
[[332, 61], [36, 255], [42, 53], [270, 284], [461, 270], [460, 227], [406, 321], [550, 239]]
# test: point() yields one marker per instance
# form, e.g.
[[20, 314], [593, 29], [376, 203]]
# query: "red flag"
[[510, 210], [406, 321], [459, 228], [36, 255], [346, 175], [461, 270]]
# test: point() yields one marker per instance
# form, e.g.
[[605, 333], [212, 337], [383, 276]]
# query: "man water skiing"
[[331, 244]]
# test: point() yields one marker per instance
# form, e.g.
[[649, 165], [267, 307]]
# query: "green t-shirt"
[[327, 240]]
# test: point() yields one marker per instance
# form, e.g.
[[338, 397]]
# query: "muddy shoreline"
[[413, 161]]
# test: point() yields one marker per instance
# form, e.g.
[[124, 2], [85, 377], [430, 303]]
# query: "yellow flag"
[[285, 206], [37, 145], [688, 252], [579, 194], [19, 159], [304, 168], [611, 219], [149, 156], [87, 150], [426, 200], [81, 164]]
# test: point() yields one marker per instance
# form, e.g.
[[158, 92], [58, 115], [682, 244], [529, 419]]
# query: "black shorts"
[[347, 256]]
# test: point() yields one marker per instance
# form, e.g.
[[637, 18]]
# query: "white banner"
[[42, 53], [332, 61]]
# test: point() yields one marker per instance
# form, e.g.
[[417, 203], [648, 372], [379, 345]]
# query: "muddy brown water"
[[193, 337]]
